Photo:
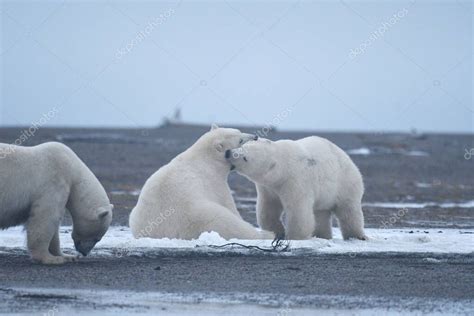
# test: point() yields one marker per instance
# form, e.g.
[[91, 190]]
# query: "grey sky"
[[339, 65]]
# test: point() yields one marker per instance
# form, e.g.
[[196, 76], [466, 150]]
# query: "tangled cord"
[[278, 245]]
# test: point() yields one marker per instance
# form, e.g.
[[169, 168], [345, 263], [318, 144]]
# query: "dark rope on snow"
[[278, 245]]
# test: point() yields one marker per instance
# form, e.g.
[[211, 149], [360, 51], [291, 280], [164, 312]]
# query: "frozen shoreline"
[[119, 240]]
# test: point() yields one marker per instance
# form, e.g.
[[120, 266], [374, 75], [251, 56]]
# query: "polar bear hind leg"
[[351, 220], [214, 217], [323, 227]]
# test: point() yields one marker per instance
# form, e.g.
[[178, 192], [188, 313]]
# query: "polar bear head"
[[89, 230], [219, 141], [256, 160]]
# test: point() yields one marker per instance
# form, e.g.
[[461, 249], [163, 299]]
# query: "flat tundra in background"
[[37, 185], [309, 180]]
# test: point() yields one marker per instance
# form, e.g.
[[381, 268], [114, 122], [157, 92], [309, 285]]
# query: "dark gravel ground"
[[124, 158], [394, 280]]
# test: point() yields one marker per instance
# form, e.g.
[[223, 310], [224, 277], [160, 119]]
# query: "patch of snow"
[[123, 192], [246, 201], [119, 240], [417, 153], [401, 205], [423, 185], [434, 260], [364, 151]]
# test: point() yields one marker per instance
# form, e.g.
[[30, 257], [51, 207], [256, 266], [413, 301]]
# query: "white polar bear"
[[38, 184], [308, 179], [190, 195]]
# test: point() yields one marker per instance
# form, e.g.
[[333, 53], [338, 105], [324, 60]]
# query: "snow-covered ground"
[[119, 240]]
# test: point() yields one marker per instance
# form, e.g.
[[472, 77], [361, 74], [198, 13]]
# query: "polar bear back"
[[327, 166], [29, 173]]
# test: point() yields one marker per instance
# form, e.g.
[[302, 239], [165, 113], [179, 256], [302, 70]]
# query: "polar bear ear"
[[111, 206], [214, 126]]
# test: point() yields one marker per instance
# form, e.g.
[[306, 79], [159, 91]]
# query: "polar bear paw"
[[56, 260], [70, 258]]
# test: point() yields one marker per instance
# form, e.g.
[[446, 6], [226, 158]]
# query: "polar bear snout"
[[84, 246]]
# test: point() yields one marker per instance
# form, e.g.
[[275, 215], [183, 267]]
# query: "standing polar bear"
[[190, 195], [309, 179], [38, 184]]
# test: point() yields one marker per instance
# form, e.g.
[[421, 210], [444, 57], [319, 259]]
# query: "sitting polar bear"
[[309, 179], [190, 195], [38, 184]]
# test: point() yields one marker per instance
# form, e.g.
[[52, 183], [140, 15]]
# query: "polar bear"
[[190, 195], [38, 184], [309, 179]]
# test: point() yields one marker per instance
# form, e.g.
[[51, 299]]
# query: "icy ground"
[[119, 240]]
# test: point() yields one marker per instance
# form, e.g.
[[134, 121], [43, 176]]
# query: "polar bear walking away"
[[309, 179], [37, 185], [190, 195]]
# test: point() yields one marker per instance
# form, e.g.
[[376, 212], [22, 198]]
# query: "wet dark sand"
[[124, 159]]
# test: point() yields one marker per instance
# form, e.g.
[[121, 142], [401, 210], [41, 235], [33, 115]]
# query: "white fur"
[[38, 184], [309, 179], [190, 195]]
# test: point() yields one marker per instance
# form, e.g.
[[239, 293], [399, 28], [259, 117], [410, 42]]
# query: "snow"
[[123, 192], [423, 185], [417, 153], [242, 201], [119, 241], [402, 205], [364, 151], [359, 151]]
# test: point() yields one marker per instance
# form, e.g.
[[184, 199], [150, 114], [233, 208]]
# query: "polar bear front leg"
[[41, 228], [300, 219], [269, 210], [55, 249]]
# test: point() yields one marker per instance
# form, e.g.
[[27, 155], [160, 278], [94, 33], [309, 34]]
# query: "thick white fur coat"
[[190, 195], [38, 185], [309, 180]]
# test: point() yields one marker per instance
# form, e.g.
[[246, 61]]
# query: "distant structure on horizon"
[[177, 120]]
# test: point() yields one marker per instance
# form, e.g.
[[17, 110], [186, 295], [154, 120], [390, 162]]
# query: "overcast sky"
[[338, 65]]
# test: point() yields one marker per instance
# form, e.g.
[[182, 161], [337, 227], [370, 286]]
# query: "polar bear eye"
[[241, 141]]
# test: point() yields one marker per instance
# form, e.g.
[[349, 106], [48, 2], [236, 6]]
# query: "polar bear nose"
[[84, 247], [228, 153], [255, 137]]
